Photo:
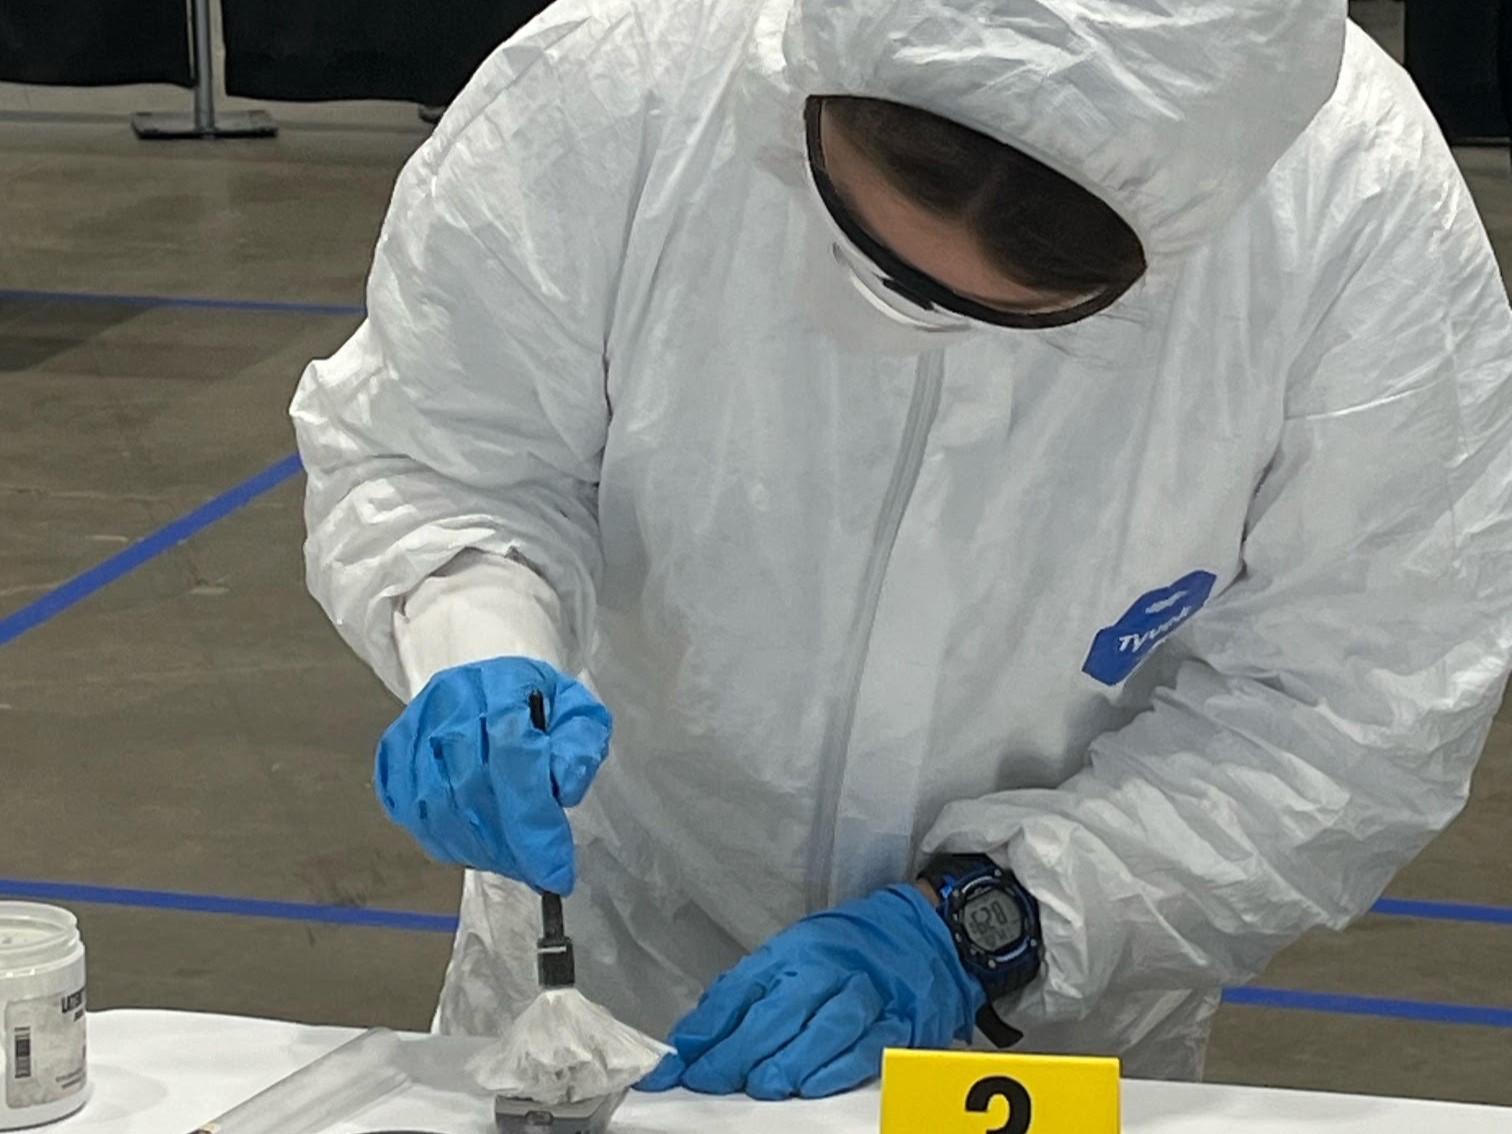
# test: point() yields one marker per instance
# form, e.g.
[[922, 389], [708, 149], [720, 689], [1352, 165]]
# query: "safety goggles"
[[899, 289]]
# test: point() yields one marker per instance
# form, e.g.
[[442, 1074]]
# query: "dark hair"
[[1038, 227]]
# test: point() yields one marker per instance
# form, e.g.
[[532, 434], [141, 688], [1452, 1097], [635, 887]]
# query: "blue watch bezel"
[[1007, 970]]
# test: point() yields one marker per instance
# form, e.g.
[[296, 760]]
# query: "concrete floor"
[[197, 727]]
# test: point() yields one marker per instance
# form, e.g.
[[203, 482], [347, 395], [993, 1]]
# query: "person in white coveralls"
[[1032, 480]]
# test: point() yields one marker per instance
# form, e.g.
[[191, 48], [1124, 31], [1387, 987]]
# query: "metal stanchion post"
[[204, 122]]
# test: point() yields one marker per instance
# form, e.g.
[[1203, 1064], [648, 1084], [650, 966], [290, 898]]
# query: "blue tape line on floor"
[[213, 904], [1287, 999], [1443, 911], [189, 302], [13, 625], [1338, 1005]]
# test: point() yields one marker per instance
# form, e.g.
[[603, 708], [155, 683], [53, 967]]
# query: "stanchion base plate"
[[235, 124]]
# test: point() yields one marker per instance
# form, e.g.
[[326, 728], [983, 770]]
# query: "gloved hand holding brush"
[[466, 772]]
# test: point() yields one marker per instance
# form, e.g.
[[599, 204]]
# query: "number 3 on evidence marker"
[[1020, 1105], [957, 1092]]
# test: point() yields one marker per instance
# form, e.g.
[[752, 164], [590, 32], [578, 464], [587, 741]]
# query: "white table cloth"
[[166, 1072]]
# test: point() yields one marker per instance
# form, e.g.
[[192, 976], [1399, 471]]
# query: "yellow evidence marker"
[[980, 1092]]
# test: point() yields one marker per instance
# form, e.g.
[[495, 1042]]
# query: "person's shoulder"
[[1371, 220], [599, 78], [1374, 89], [609, 47], [1373, 156]]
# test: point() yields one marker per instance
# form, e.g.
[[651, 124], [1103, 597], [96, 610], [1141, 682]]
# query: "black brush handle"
[[555, 963], [553, 924]]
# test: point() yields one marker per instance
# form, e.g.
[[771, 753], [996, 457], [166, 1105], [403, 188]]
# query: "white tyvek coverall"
[[841, 604]]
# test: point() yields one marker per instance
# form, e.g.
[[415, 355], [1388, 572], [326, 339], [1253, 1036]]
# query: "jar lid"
[[33, 934]]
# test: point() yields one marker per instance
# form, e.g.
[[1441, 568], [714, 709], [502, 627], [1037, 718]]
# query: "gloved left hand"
[[810, 1012]]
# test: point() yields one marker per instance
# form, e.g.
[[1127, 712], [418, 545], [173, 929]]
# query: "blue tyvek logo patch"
[[1118, 649]]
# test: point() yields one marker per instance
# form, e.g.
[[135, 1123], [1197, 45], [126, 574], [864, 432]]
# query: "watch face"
[[993, 922]]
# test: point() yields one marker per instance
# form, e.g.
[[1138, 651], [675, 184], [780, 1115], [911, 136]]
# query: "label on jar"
[[44, 1050]]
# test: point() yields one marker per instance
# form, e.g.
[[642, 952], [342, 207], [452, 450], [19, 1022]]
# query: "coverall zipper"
[[922, 411]]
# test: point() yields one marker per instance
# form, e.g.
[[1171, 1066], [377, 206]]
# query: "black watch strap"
[[938, 869], [999, 1032]]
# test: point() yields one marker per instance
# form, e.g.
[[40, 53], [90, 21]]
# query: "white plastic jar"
[[43, 1072]]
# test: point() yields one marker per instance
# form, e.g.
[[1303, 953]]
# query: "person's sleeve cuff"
[[478, 606]]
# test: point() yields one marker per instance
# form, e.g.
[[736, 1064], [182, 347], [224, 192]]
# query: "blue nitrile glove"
[[465, 771], [810, 1012]]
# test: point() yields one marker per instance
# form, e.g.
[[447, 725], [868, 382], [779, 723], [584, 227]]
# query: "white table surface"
[[166, 1072]]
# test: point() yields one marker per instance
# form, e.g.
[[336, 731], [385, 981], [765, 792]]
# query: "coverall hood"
[[1171, 112]]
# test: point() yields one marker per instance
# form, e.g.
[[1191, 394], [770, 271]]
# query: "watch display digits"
[[993, 921]]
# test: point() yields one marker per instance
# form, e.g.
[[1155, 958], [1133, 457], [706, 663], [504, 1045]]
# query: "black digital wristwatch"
[[995, 923]]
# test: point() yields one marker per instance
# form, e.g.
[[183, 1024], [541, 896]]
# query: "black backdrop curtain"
[[420, 51], [90, 43], [1505, 46], [1452, 52]]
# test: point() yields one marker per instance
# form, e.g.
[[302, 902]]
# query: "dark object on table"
[[518, 1116]]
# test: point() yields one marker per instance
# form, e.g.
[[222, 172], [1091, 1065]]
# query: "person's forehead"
[[832, 140]]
